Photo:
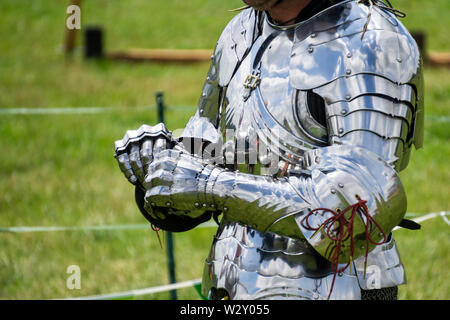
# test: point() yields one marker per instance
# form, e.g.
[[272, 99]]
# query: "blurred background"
[[57, 167]]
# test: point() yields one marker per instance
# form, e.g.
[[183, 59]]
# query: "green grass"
[[59, 170]]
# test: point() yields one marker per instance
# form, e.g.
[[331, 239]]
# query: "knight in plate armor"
[[301, 129]]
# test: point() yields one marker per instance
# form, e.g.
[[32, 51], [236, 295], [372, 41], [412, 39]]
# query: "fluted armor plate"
[[256, 103]]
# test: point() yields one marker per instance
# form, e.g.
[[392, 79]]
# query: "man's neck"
[[287, 10]]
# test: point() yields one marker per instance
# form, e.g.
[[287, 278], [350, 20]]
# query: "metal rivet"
[[204, 205], [212, 57], [310, 49], [341, 130], [201, 110], [313, 35], [399, 59], [348, 97], [196, 204], [225, 209], [340, 185], [349, 55], [168, 204], [348, 71], [333, 191], [344, 112]]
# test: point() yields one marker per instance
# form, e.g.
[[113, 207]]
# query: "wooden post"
[[93, 42], [71, 35]]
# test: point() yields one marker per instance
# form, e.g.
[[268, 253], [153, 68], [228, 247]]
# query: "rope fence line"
[[114, 227], [99, 110], [140, 292], [86, 110], [142, 226], [196, 282]]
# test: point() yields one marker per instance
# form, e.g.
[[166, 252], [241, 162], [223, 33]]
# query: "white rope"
[[190, 283], [433, 118], [96, 110], [208, 224], [90, 228], [80, 110], [428, 217], [140, 292], [84, 110], [75, 228], [444, 214]]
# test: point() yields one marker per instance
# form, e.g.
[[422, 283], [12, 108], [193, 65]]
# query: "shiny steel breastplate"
[[263, 115], [267, 125]]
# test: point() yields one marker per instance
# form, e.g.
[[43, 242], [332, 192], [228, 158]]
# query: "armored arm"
[[373, 100], [199, 132], [202, 130], [334, 178], [138, 148]]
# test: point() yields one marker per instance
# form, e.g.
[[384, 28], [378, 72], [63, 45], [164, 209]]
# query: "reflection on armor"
[[372, 93], [292, 119], [252, 265]]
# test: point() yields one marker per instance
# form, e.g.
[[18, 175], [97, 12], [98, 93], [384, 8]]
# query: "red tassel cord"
[[156, 229], [343, 231]]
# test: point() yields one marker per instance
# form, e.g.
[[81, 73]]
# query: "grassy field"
[[59, 169]]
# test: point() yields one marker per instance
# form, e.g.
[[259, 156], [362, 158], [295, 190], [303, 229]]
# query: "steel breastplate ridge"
[[265, 104]]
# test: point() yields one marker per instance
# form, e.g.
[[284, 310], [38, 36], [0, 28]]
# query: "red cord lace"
[[156, 229], [343, 231]]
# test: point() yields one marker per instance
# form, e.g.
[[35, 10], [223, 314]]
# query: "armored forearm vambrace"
[[334, 178]]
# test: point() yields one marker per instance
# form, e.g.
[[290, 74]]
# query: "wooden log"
[[438, 59], [434, 59], [162, 55]]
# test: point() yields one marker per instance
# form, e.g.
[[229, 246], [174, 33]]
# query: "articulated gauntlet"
[[333, 180]]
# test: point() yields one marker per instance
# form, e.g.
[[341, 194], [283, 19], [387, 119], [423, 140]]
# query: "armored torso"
[[286, 90], [264, 115]]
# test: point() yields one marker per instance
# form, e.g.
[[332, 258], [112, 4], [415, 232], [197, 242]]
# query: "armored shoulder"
[[233, 44], [235, 41], [368, 71]]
